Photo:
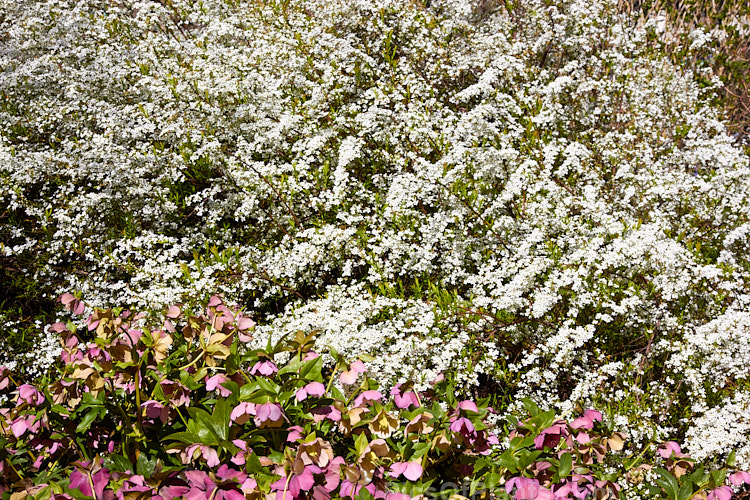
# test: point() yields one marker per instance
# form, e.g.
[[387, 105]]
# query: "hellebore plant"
[[178, 406]]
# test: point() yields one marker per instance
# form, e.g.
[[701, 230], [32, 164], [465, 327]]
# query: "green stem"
[[197, 358]]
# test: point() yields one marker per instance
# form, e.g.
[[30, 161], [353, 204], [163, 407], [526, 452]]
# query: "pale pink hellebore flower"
[[666, 449], [587, 420], [411, 470], [214, 383], [30, 395], [404, 400], [368, 397], [349, 376], [739, 477], [312, 389], [265, 368], [242, 413], [720, 493]]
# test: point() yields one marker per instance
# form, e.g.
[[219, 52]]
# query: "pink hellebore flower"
[[467, 405], [268, 415], [528, 489], [666, 449], [463, 426], [310, 355], [175, 392], [404, 400], [295, 433], [484, 442], [226, 484], [368, 397], [83, 480], [411, 470], [720, 493], [242, 412], [579, 491], [312, 389], [155, 409], [352, 489], [214, 383], [134, 484], [290, 487], [739, 477], [72, 304], [265, 368], [582, 437], [30, 395], [239, 458], [349, 376], [326, 412], [4, 377], [21, 425], [209, 454], [243, 325], [551, 436], [587, 420]]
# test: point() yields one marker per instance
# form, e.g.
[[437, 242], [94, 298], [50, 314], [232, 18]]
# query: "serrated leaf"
[[185, 437], [668, 483], [144, 466], [312, 370]]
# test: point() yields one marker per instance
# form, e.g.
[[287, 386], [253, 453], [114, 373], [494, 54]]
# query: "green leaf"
[[566, 465], [492, 479], [87, 420], [292, 366], [360, 444], [667, 482], [252, 464], [118, 463], [312, 370], [731, 459], [531, 407], [334, 354], [144, 466], [717, 478], [248, 390], [685, 492], [185, 437], [214, 422]]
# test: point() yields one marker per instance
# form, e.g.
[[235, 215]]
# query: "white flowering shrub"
[[528, 198]]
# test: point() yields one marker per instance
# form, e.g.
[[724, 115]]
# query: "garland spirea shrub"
[[177, 406]]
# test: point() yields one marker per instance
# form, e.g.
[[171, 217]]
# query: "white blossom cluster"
[[533, 200]]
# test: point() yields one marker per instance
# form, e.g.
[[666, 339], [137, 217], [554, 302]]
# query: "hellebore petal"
[[739, 477], [173, 312], [468, 405], [214, 383], [720, 493], [411, 470], [368, 397]]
